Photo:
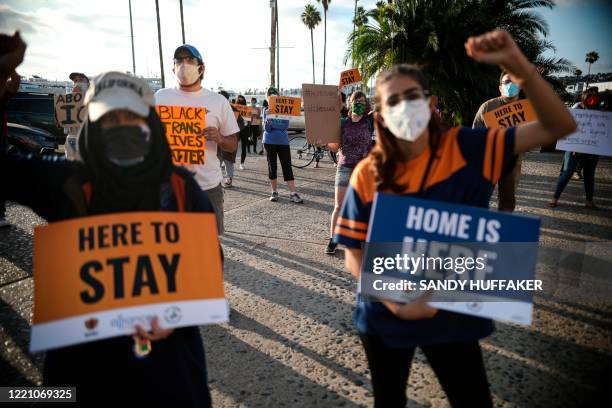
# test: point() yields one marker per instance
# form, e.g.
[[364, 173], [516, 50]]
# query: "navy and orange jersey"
[[467, 165]]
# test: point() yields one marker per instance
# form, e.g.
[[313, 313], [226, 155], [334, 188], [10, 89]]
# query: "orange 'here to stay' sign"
[[349, 77], [184, 126], [124, 265], [243, 110], [510, 114], [285, 106]]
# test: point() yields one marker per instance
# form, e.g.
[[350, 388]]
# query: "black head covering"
[[122, 189]]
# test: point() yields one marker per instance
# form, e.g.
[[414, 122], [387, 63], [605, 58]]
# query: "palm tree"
[[325, 4], [431, 34], [360, 18], [591, 58], [311, 18]]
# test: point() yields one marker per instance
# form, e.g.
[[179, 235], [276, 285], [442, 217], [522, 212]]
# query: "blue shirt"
[[275, 130], [468, 164]]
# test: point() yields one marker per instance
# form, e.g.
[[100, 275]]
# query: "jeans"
[[458, 366], [228, 169], [589, 163], [506, 187]]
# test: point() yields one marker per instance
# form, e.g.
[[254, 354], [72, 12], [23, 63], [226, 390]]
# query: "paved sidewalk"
[[290, 340]]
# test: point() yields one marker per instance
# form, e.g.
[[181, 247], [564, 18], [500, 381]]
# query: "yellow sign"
[[285, 106], [122, 265], [510, 114], [184, 126], [350, 77], [243, 110]]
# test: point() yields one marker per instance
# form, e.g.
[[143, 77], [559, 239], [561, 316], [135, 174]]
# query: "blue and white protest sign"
[[475, 261]]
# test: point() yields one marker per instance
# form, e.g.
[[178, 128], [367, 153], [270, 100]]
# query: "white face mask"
[[187, 74], [80, 87], [408, 119]]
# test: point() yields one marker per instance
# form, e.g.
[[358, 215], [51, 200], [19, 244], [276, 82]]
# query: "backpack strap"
[[79, 194], [178, 187]]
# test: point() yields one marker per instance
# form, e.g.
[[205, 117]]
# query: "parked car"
[[297, 124], [25, 139], [35, 110]]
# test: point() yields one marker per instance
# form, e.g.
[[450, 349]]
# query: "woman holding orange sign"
[[126, 167]]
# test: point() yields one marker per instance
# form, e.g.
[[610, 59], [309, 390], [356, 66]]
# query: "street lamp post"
[[132, 35], [182, 23], [161, 57]]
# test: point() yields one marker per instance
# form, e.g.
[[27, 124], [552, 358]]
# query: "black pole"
[[161, 57], [182, 24], [132, 34], [277, 50]]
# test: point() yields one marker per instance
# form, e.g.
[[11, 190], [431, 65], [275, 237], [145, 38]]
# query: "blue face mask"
[[510, 90]]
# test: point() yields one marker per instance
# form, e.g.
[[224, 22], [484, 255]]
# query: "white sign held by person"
[[593, 136]]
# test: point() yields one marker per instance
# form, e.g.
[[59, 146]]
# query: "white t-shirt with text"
[[219, 114]]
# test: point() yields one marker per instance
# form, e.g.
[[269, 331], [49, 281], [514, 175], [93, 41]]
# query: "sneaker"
[[242, 166], [295, 198], [331, 247], [260, 153], [4, 222], [227, 182], [274, 197]]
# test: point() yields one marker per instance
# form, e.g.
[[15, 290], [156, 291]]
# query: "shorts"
[[343, 175]]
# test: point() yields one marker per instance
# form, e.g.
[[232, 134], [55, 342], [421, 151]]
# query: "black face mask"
[[126, 145]]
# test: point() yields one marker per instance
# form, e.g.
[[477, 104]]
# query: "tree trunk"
[[324, 45], [312, 46], [353, 40], [586, 86], [161, 57]]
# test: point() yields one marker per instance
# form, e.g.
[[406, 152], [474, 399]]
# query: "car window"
[[31, 105]]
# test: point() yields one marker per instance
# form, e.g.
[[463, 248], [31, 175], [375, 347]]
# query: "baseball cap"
[[75, 74], [116, 90], [191, 50]]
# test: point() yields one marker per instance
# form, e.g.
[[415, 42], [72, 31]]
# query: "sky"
[[233, 36]]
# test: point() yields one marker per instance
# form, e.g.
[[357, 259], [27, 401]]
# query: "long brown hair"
[[387, 152]]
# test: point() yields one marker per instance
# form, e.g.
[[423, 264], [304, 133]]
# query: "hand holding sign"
[[212, 134], [416, 310], [156, 333]]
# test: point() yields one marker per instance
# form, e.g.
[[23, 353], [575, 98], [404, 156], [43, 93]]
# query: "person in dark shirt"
[[572, 161], [125, 166]]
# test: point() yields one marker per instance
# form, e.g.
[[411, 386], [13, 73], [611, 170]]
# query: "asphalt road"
[[290, 340]]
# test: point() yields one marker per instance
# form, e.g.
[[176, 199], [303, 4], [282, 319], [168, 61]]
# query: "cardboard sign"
[[322, 113], [593, 136], [449, 244], [119, 270], [284, 107], [510, 114], [243, 110], [350, 77], [184, 127], [256, 116], [69, 110]]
